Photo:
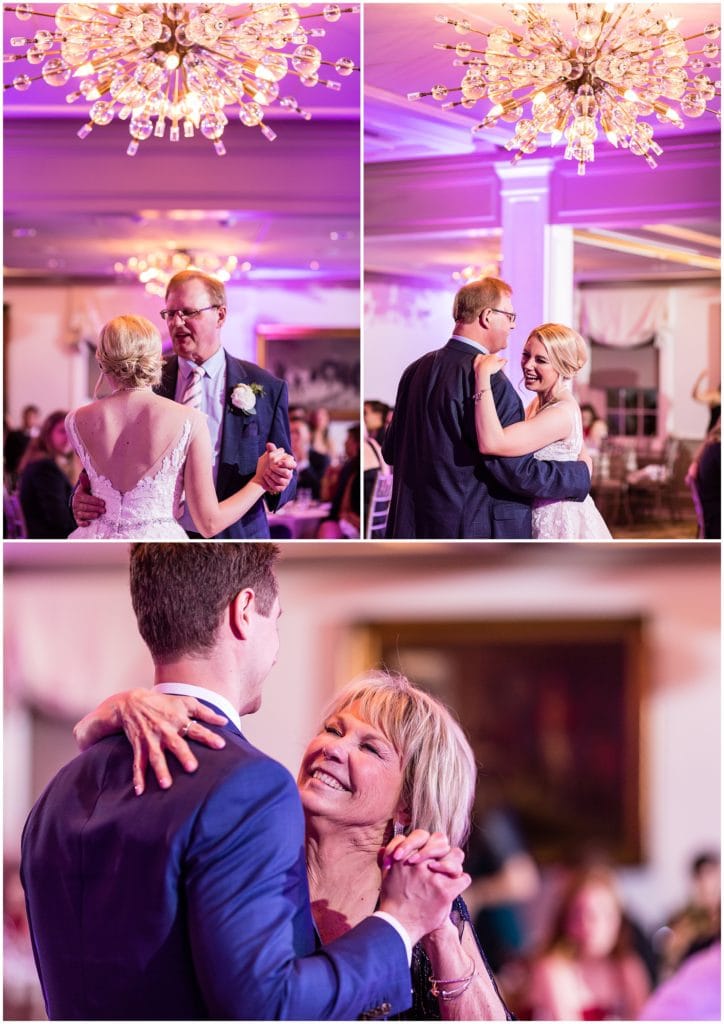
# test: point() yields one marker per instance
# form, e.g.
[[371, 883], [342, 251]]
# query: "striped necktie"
[[192, 395]]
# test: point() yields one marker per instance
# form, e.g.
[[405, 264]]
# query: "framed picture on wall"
[[321, 365], [552, 710]]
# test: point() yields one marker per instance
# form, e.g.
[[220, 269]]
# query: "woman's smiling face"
[[538, 374], [351, 773]]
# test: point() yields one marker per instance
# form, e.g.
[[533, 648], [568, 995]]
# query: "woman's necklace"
[[140, 387]]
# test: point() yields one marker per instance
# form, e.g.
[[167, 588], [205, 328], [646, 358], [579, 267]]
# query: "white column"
[[537, 257]]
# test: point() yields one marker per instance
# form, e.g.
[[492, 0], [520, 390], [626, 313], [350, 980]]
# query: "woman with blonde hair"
[[142, 452], [552, 429], [389, 761]]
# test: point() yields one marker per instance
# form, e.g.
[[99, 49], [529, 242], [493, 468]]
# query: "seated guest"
[[311, 466], [322, 443], [344, 515], [698, 924], [375, 417], [46, 480], [588, 970], [16, 442], [595, 430]]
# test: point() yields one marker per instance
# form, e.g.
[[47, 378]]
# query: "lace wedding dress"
[[567, 520], [146, 511]]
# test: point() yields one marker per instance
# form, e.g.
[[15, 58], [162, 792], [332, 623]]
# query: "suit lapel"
[[235, 374], [169, 376]]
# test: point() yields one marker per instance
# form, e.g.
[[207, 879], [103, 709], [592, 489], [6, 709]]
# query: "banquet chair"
[[379, 507]]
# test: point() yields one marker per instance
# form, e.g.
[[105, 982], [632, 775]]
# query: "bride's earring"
[[398, 829]]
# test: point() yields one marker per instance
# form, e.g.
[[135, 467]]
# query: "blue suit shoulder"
[[255, 373]]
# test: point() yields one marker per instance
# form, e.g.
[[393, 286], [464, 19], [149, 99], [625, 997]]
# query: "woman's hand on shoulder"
[[154, 723], [486, 365]]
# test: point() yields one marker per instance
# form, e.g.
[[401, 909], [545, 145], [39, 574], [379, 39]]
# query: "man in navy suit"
[[442, 486], [245, 406], [192, 903]]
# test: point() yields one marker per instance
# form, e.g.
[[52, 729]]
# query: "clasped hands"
[[274, 469]]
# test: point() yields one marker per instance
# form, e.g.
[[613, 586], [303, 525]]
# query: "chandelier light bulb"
[[178, 66], [155, 269], [623, 63]]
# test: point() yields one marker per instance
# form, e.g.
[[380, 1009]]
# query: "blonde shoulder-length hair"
[[129, 350], [438, 765]]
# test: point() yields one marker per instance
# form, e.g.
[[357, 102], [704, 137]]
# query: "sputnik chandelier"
[[155, 269], [179, 66], [623, 64]]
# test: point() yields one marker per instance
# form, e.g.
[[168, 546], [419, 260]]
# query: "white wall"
[[403, 321], [45, 321], [71, 638]]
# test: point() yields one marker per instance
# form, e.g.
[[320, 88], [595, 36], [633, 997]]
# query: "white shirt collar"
[[201, 693], [473, 344]]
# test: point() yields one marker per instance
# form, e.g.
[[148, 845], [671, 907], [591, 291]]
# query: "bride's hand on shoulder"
[[486, 365], [155, 724]]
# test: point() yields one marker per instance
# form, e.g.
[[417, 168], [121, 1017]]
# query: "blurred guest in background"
[[16, 441], [588, 969], [47, 473], [710, 397], [375, 417], [309, 470], [595, 430], [505, 880], [704, 480], [698, 924], [322, 443], [344, 488]]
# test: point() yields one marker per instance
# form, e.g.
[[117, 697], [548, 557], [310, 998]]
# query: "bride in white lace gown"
[[552, 428], [143, 453]]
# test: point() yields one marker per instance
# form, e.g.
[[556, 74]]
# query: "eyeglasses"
[[185, 314], [510, 316]]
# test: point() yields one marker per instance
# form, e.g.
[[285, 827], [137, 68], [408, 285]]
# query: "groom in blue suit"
[[192, 903], [246, 407], [442, 486]]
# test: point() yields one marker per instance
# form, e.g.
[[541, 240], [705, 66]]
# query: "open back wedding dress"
[[148, 509]]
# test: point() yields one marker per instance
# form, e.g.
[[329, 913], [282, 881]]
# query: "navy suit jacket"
[[442, 486], [243, 438], [190, 903]]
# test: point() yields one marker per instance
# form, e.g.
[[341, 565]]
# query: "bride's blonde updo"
[[129, 351], [566, 348]]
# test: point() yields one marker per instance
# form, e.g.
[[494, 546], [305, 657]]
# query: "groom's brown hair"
[[181, 591]]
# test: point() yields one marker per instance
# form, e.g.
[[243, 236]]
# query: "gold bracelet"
[[439, 989], [479, 394]]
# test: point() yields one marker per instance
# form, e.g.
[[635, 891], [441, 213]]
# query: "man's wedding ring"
[[185, 731]]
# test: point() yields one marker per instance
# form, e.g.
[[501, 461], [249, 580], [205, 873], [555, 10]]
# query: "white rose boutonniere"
[[244, 396]]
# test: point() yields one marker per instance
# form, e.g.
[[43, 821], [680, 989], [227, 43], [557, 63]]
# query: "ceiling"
[[400, 58], [74, 209]]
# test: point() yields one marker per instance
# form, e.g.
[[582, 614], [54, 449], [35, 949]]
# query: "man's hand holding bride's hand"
[[275, 469], [84, 505], [155, 723], [486, 366]]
